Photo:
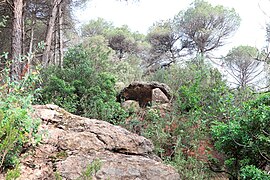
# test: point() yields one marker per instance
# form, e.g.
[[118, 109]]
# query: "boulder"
[[72, 143], [143, 92], [159, 97], [131, 106]]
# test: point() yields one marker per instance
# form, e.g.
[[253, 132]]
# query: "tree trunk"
[[23, 35], [30, 51], [16, 40], [49, 35], [31, 37], [55, 44], [60, 35]]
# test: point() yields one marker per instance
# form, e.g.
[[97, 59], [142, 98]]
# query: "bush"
[[244, 137], [91, 169], [14, 173], [155, 129], [200, 96], [17, 128], [253, 173], [128, 70], [195, 88], [190, 167], [81, 87]]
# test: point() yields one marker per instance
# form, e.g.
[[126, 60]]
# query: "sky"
[[139, 16]]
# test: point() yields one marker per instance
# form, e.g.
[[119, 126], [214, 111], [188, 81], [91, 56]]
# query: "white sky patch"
[[138, 16]]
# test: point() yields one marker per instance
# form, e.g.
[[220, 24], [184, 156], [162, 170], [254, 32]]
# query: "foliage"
[[3, 21], [156, 128], [171, 136], [83, 86], [96, 27], [206, 27], [200, 29], [203, 106], [196, 88], [182, 135], [244, 138], [17, 128], [91, 169], [57, 176], [243, 66], [166, 43], [93, 51], [252, 173], [13, 174], [128, 71], [122, 41], [190, 167], [6, 17]]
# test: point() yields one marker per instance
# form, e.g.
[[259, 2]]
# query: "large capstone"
[[146, 93]]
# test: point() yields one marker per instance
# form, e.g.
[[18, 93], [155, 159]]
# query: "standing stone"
[[159, 97]]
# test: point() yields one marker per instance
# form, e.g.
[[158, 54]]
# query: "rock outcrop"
[[71, 144], [146, 93]]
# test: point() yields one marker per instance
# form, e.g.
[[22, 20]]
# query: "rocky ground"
[[72, 145]]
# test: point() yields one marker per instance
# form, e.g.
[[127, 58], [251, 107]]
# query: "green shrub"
[[253, 173], [190, 167], [155, 129], [3, 21], [13, 174], [195, 88], [170, 136], [200, 96], [128, 70], [17, 128], [81, 87], [244, 137], [91, 169]]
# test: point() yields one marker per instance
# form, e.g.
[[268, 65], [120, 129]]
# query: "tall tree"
[[266, 57], [59, 16], [242, 65], [33, 22], [60, 34], [49, 35], [36, 14], [166, 43], [96, 27], [206, 26], [16, 39], [122, 41]]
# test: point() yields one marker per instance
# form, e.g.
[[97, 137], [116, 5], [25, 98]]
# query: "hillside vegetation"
[[211, 130]]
